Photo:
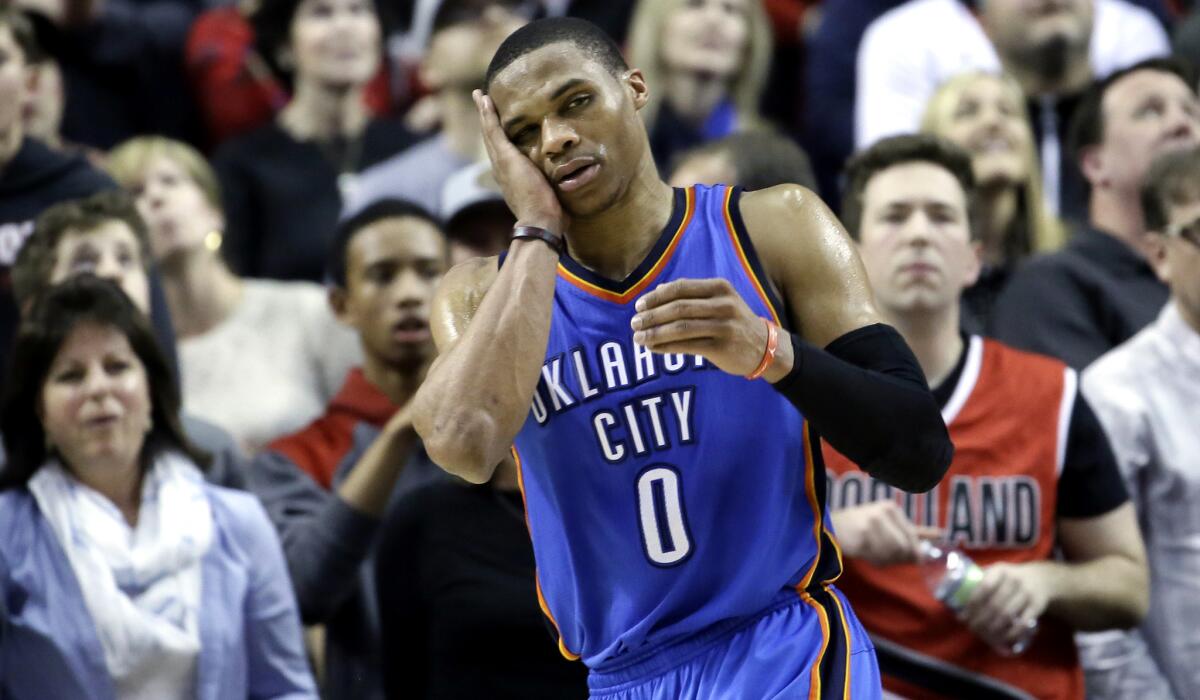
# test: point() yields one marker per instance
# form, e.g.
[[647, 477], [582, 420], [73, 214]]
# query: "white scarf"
[[142, 584]]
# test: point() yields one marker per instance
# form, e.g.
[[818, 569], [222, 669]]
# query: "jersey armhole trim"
[[1065, 410], [749, 257], [537, 578]]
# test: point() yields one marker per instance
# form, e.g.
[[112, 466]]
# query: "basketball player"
[[653, 359], [1032, 468]]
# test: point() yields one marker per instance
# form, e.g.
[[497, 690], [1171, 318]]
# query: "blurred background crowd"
[[221, 225]]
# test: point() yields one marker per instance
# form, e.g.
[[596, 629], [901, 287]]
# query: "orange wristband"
[[768, 353]]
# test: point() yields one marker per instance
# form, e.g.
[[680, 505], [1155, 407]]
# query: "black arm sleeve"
[[1090, 484], [867, 396]]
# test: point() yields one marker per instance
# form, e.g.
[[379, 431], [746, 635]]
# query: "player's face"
[[1178, 261], [915, 240], [576, 121], [1146, 114], [1023, 27], [392, 269], [706, 36], [988, 120]]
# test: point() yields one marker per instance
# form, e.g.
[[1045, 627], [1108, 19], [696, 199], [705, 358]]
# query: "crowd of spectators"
[[221, 229]]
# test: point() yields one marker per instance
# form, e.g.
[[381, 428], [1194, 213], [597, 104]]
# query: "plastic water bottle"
[[952, 577]]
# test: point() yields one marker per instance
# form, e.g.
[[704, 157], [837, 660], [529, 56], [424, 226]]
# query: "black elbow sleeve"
[[867, 396]]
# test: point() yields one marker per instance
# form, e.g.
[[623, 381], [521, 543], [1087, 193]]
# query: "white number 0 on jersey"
[[661, 516]]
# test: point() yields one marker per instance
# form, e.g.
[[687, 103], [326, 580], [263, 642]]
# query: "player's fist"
[[526, 190], [707, 317], [1009, 599], [879, 533]]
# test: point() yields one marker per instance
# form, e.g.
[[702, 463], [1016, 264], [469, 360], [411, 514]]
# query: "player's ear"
[[635, 83]]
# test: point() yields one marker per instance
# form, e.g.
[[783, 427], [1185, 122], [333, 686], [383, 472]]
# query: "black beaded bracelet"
[[553, 240]]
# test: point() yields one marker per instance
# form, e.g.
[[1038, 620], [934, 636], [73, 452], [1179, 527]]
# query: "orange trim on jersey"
[[846, 631], [814, 674], [537, 579], [737, 245], [810, 490], [650, 275]]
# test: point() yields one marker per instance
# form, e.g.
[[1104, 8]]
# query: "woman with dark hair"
[[284, 184], [122, 573]]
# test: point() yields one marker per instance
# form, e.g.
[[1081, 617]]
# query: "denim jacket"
[[251, 644]]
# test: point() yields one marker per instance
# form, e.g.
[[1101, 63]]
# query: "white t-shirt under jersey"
[[271, 367]]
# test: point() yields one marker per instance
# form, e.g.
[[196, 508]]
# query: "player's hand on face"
[[1008, 599], [526, 190], [879, 533], [705, 317]]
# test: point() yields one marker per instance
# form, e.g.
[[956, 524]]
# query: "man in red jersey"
[[1032, 468]]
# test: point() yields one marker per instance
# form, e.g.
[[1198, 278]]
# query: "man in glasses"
[[1147, 395], [1093, 295]]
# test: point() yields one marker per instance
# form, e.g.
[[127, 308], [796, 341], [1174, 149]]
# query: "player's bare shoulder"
[[809, 257], [789, 221], [458, 297]]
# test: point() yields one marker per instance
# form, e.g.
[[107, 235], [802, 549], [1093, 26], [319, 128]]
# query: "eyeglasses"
[[1189, 232]]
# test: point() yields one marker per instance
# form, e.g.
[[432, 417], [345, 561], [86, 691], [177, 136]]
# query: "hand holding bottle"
[[1000, 604]]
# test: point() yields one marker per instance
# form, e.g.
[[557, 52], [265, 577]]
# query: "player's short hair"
[[1173, 180], [35, 262], [899, 150], [1087, 122], [378, 211], [583, 34], [761, 159]]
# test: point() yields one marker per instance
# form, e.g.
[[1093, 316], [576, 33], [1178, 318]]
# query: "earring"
[[213, 240]]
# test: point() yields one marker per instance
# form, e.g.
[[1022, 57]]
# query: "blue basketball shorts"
[[800, 647]]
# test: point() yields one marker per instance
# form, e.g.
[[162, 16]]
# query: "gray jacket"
[[329, 545]]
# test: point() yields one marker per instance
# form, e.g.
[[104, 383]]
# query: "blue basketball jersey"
[[665, 496]]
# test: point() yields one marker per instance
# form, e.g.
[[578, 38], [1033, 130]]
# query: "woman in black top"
[[283, 184], [457, 603]]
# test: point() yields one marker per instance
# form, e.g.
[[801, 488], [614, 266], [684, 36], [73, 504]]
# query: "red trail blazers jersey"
[[1008, 418]]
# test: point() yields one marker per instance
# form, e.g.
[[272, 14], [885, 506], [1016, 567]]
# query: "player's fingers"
[[699, 346], [679, 331], [682, 289], [484, 119], [681, 309]]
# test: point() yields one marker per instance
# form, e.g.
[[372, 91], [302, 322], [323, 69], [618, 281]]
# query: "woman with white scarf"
[[123, 575]]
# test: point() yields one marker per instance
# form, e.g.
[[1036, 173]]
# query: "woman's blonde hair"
[[129, 161], [1043, 231], [645, 53]]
